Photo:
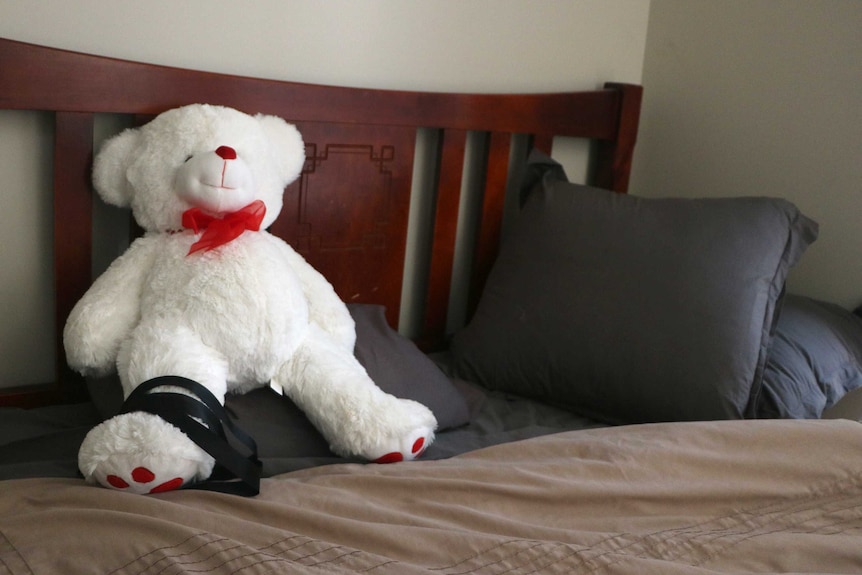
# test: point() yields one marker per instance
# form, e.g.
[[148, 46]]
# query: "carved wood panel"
[[347, 213]]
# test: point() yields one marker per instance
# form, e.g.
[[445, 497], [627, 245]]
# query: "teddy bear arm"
[[107, 312], [326, 309]]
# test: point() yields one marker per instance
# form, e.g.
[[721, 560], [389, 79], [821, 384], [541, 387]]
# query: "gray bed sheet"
[[43, 442]]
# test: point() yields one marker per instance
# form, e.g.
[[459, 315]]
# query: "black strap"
[[204, 420]]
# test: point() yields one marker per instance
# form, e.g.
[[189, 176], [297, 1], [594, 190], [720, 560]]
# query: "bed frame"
[[349, 211]]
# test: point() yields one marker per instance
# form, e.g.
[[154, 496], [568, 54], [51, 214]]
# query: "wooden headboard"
[[348, 213]]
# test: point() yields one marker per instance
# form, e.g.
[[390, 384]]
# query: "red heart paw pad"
[[394, 456], [144, 475], [418, 445]]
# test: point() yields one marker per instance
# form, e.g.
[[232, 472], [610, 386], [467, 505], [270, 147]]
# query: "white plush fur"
[[233, 318]]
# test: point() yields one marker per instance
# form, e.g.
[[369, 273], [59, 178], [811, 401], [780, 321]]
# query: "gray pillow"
[[398, 367], [631, 310], [814, 360]]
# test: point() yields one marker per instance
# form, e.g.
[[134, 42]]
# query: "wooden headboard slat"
[[349, 212], [614, 156], [493, 204], [73, 153], [450, 176]]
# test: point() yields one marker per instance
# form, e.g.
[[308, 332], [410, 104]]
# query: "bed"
[[622, 385]]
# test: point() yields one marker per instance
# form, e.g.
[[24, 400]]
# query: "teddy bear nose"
[[226, 153]]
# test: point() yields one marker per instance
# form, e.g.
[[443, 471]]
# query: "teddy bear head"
[[216, 159]]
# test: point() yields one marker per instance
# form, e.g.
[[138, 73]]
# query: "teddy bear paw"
[[141, 453], [411, 431], [406, 448]]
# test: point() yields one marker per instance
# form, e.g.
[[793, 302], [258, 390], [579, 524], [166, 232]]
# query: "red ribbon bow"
[[219, 231]]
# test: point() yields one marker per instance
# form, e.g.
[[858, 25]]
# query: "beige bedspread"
[[729, 497]]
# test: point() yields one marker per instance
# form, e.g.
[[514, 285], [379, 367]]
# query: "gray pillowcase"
[[398, 367], [814, 360], [631, 310]]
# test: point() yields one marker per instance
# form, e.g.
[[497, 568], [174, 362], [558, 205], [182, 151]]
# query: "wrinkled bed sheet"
[[716, 497]]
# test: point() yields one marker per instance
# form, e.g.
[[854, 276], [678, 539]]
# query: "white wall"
[[446, 45], [463, 45], [762, 97]]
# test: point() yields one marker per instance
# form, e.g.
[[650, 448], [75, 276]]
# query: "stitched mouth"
[[217, 186]]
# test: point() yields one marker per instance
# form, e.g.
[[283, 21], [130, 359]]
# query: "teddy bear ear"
[[288, 144], [109, 168]]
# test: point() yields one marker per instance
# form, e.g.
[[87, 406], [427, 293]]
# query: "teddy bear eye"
[[189, 157]]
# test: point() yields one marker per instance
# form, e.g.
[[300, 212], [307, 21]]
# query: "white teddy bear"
[[207, 294]]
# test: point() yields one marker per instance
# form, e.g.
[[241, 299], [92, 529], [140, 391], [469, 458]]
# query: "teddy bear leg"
[[355, 416], [141, 452], [155, 350]]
